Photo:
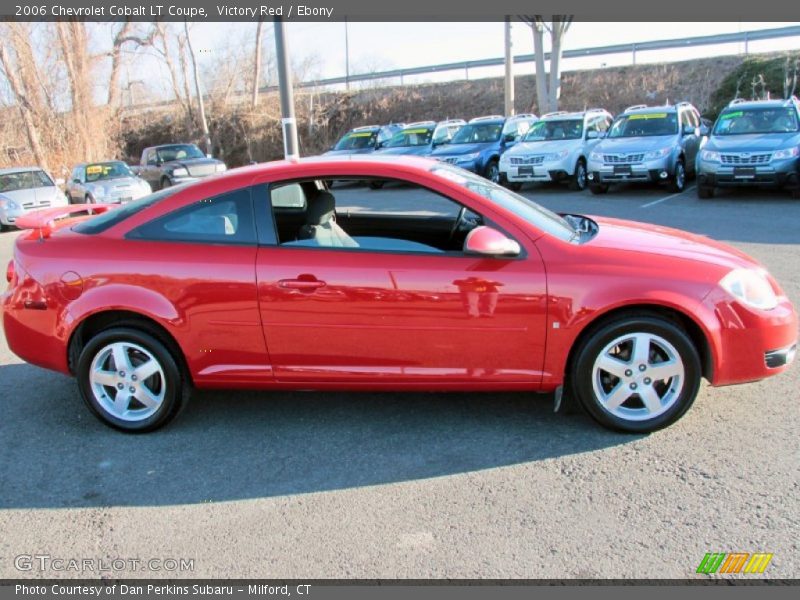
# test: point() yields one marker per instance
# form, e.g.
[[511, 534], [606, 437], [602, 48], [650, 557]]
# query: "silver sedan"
[[106, 182]]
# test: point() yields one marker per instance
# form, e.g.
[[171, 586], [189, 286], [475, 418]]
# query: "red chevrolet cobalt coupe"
[[265, 278]]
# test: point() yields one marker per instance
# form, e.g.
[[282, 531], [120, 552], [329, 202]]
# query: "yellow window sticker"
[[648, 116], [410, 131], [367, 134], [94, 169]]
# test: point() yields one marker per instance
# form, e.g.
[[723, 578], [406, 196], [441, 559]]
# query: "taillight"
[[10, 271]]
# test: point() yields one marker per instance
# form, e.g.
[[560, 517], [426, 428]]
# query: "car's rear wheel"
[[577, 182], [637, 374], [492, 171], [130, 380], [678, 182], [705, 191], [165, 182], [598, 188]]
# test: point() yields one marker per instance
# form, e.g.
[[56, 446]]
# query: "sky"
[[382, 46]]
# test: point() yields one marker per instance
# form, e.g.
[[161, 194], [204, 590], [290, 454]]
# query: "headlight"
[[710, 155], [556, 155], [786, 153], [750, 287], [653, 154], [468, 157], [8, 203], [180, 172], [98, 190], [221, 167], [596, 156]]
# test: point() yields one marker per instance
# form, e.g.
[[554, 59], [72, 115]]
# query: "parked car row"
[[751, 143]]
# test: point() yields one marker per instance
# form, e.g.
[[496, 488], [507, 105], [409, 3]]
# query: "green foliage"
[[773, 70]]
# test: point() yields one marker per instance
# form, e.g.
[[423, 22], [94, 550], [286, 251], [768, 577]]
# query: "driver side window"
[[389, 216]]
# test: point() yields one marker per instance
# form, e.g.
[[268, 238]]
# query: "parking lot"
[[414, 485]]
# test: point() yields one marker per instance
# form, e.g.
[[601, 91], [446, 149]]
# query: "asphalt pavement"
[[416, 485]]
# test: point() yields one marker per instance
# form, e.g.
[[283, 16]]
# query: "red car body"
[[266, 316]]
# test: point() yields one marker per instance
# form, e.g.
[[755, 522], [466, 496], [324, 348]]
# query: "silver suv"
[[753, 143], [648, 144], [555, 148]]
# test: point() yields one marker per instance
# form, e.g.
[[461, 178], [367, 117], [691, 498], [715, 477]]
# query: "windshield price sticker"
[[648, 116]]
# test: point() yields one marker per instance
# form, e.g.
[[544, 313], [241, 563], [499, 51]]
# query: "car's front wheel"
[[492, 171], [636, 374], [577, 182], [598, 188], [705, 192], [678, 183], [130, 380], [165, 182]]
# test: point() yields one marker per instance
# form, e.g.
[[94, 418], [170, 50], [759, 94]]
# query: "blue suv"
[[364, 140], [478, 145], [753, 143]]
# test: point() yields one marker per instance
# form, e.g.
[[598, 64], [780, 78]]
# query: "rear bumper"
[[749, 344]]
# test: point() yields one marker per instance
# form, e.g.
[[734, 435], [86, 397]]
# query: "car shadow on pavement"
[[240, 445]]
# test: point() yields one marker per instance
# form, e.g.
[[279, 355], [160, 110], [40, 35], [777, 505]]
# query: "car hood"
[[460, 149], [349, 152], [405, 151], [635, 144], [117, 182], [621, 235], [543, 147], [752, 142], [34, 195], [192, 162]]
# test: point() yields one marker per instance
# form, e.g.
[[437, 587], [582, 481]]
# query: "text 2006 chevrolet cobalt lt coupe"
[[263, 278]]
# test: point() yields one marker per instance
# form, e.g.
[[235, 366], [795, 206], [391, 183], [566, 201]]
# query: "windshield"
[[109, 170], [756, 120], [110, 218], [179, 152], [517, 127], [357, 140], [571, 129], [537, 215], [24, 180], [644, 125], [418, 136], [478, 133]]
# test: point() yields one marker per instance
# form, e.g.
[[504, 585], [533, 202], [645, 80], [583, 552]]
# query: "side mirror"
[[76, 180], [704, 130], [510, 137], [486, 241], [592, 135], [689, 130]]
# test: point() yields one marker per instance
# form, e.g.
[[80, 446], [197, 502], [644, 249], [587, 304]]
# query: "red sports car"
[[266, 277]]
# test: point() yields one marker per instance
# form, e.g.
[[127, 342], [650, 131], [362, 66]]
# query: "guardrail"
[[630, 48]]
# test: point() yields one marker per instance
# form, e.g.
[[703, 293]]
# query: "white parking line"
[[665, 198]]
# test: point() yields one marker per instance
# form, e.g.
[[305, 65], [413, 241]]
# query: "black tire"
[[376, 184], [329, 183], [582, 373], [165, 182], [175, 389], [492, 171], [88, 199], [796, 193], [705, 191], [4, 228], [678, 182], [598, 188], [577, 183]]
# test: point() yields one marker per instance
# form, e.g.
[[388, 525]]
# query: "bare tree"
[[548, 86], [74, 50], [790, 76], [17, 75], [257, 62], [200, 102], [124, 36]]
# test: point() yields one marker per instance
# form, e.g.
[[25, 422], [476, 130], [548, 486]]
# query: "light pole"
[[291, 149], [509, 71]]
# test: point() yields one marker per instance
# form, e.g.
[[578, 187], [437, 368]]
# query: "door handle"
[[306, 285]]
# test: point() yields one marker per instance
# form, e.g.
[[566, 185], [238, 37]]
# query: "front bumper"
[[776, 174], [556, 170], [661, 169], [749, 344], [470, 165]]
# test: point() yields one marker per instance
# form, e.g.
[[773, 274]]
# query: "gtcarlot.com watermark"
[[46, 563]]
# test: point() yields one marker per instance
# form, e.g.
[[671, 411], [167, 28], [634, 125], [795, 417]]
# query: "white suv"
[[555, 148]]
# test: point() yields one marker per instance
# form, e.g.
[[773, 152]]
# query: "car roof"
[[9, 170], [777, 103], [492, 119], [642, 109], [99, 162]]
